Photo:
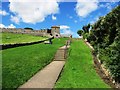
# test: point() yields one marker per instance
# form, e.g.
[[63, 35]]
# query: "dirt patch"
[[107, 79]]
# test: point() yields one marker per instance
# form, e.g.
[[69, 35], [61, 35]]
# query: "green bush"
[[85, 35], [105, 38], [114, 64]]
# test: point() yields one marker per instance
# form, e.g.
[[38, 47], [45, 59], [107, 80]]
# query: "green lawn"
[[79, 71], [21, 63], [11, 38]]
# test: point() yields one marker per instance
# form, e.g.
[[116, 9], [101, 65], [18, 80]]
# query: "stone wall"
[[6, 46], [42, 32], [55, 31]]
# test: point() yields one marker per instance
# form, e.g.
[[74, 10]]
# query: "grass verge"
[[21, 63], [79, 71], [11, 38]]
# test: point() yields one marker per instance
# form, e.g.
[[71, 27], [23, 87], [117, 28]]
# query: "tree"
[[105, 37], [86, 28], [79, 32], [28, 28]]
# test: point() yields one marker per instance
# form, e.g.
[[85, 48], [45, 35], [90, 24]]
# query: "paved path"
[[47, 77], [61, 54]]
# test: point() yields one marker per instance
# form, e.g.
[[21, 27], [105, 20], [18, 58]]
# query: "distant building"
[[54, 31]]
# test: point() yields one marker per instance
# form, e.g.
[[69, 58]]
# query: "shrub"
[[105, 37]]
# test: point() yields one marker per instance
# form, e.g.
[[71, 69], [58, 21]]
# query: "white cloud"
[[83, 9], [15, 19], [4, 13], [2, 26], [9, 26], [66, 30], [64, 27], [31, 11], [53, 17]]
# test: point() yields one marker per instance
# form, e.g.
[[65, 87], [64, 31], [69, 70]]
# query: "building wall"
[[55, 30]]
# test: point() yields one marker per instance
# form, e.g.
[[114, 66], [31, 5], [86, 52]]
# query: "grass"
[[11, 38], [79, 70], [0, 71], [21, 63]]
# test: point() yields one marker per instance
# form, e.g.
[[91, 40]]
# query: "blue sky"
[[70, 16]]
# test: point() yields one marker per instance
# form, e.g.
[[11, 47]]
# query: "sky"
[[70, 15]]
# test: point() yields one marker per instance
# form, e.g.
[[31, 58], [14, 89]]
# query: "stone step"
[[59, 59], [60, 53], [59, 56], [60, 50]]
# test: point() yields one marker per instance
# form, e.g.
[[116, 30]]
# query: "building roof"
[[55, 27]]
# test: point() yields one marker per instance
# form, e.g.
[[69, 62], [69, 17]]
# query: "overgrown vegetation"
[[11, 38], [79, 32], [79, 69], [84, 32], [105, 37], [21, 63]]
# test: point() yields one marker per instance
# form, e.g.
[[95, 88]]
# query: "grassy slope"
[[20, 63], [79, 71], [10, 38]]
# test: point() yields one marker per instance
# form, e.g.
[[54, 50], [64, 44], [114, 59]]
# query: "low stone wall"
[[6, 46]]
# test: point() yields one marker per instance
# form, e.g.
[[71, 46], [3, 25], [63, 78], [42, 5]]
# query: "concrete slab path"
[[47, 77]]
